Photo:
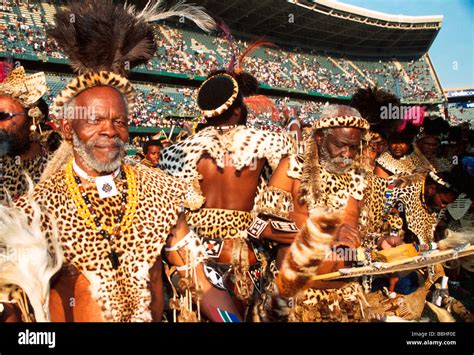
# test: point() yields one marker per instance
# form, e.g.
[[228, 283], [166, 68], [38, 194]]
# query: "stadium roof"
[[328, 25]]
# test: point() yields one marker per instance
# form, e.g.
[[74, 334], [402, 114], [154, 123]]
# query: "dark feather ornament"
[[99, 35]]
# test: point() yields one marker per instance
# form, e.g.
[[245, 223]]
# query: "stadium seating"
[[196, 53]]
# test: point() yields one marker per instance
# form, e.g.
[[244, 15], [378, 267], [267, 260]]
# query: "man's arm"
[[379, 171], [211, 296], [280, 180], [348, 234]]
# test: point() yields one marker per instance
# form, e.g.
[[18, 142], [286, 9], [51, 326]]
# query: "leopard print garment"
[[217, 223], [11, 175], [242, 145], [336, 188], [122, 294], [374, 202], [274, 201], [418, 219], [406, 165]]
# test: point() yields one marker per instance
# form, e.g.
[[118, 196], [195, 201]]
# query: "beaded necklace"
[[123, 220], [423, 202]]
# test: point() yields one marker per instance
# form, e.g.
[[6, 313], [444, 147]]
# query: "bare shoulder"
[[280, 178], [380, 171]]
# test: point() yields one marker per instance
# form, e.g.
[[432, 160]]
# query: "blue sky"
[[452, 52]]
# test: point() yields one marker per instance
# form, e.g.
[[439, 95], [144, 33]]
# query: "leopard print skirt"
[[218, 223], [241, 277]]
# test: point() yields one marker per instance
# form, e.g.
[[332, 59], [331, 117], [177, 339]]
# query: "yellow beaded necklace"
[[85, 210]]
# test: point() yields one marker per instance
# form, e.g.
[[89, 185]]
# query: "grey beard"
[[330, 164], [84, 150]]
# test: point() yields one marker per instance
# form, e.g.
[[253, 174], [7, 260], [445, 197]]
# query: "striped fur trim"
[[225, 106], [341, 121], [89, 80]]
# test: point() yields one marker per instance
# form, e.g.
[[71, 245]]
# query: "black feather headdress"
[[370, 102], [98, 35], [105, 40]]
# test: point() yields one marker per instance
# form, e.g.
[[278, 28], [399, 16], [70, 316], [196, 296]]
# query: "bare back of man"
[[230, 189]]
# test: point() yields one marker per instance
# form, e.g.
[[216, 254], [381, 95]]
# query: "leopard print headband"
[[341, 121], [89, 80]]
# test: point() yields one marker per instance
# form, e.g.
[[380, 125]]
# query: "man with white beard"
[[113, 220], [324, 177]]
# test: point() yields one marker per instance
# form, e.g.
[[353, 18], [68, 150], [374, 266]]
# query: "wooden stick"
[[171, 132], [399, 265]]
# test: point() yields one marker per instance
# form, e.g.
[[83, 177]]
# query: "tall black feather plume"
[[370, 102], [100, 35]]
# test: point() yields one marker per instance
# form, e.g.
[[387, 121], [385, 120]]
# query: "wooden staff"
[[413, 263]]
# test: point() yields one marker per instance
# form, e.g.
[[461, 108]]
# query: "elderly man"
[[112, 219], [324, 177], [21, 110], [226, 160]]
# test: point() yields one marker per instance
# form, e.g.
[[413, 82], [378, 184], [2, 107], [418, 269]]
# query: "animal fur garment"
[[28, 262], [310, 247], [61, 157]]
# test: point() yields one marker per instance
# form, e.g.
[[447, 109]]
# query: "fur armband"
[[275, 201], [197, 252]]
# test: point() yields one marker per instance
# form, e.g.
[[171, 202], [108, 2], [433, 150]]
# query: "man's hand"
[[347, 236], [388, 242]]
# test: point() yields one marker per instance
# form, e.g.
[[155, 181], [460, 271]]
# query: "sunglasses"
[[8, 115]]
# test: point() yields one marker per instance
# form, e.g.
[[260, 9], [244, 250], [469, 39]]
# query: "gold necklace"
[[123, 220]]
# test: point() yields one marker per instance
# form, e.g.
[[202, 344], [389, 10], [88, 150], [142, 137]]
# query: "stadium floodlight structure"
[[329, 26]]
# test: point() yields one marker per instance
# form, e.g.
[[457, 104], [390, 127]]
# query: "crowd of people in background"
[[297, 69]]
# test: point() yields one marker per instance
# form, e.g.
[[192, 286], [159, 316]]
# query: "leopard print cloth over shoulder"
[[122, 294]]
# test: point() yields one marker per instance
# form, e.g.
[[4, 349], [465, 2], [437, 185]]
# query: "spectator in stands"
[[284, 68], [151, 150]]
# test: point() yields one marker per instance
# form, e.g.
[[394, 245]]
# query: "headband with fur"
[[27, 89]]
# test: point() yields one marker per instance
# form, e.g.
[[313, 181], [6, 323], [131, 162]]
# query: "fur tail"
[[305, 254]]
